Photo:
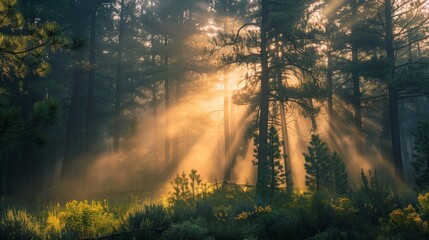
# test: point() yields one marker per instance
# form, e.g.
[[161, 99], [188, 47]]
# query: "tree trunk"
[[167, 111], [226, 125], [287, 159], [176, 137], [91, 88], [154, 97], [285, 139], [355, 73], [356, 91], [155, 119], [261, 184], [229, 163], [393, 96], [4, 162], [179, 81], [119, 70], [330, 84], [73, 151]]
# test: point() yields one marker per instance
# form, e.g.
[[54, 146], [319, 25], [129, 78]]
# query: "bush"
[[330, 233], [17, 224], [424, 205], [145, 216], [204, 209], [374, 201], [185, 230], [229, 230], [405, 224], [86, 220]]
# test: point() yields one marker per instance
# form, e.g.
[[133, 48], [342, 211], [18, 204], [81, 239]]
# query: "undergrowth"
[[198, 210]]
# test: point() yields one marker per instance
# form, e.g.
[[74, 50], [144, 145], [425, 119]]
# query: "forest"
[[214, 119]]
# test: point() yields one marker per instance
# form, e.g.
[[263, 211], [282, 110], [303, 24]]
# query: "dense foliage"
[[103, 98], [232, 212], [421, 154]]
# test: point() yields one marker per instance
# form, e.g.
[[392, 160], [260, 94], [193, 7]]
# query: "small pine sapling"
[[181, 191], [324, 170], [316, 163], [195, 183]]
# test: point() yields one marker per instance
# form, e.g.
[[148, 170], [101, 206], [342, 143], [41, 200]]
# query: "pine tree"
[[324, 170], [339, 174], [24, 47], [316, 163], [275, 170], [24, 115], [421, 154]]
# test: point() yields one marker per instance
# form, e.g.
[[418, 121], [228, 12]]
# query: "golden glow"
[[198, 124]]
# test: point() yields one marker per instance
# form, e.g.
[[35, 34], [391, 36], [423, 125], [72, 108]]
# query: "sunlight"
[[333, 6], [198, 126]]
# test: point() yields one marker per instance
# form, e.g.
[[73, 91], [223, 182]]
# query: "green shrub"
[[145, 216], [344, 213], [229, 230], [374, 201], [405, 223], [185, 231], [87, 220], [17, 224], [331, 233], [187, 188], [424, 205], [204, 209]]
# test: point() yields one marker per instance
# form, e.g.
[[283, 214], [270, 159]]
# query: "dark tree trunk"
[[226, 125], [74, 148], [330, 84], [229, 163], [4, 172], [91, 89], [261, 185], [355, 73], [356, 91], [285, 138], [286, 147], [74, 126], [177, 113], [119, 70], [155, 119], [167, 149], [393, 96], [179, 81]]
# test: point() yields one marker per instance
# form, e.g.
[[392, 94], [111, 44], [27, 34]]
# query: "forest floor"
[[194, 210]]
